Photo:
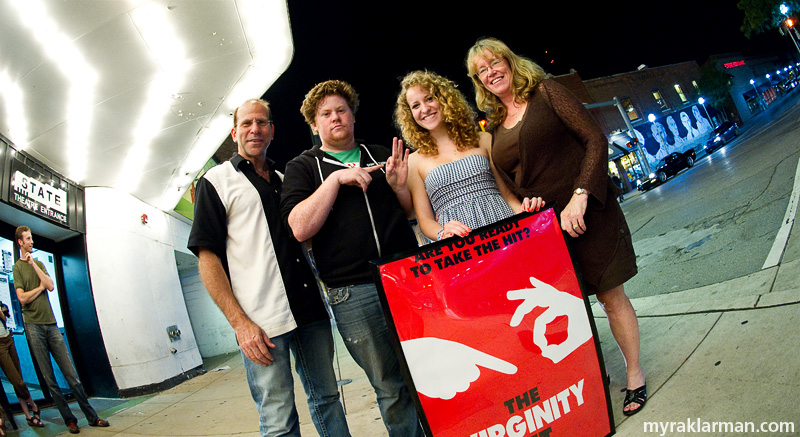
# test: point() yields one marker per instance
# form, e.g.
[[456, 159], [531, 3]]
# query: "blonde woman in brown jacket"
[[546, 142]]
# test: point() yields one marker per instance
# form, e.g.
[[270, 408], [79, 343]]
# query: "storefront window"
[[630, 167], [754, 105]]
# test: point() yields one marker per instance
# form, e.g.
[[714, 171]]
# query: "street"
[[718, 220]]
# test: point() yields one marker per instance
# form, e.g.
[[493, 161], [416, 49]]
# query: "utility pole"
[[789, 25], [643, 159]]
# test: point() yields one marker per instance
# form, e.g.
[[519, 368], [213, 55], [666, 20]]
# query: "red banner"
[[495, 335]]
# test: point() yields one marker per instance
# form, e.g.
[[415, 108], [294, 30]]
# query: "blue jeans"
[[272, 387], [360, 320], [46, 340]]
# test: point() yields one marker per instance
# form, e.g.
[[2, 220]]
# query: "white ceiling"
[[135, 95]]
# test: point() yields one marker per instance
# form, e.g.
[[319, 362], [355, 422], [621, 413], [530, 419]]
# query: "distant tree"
[[714, 86], [763, 15]]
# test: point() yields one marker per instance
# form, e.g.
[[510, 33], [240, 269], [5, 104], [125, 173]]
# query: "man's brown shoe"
[[73, 427], [99, 422]]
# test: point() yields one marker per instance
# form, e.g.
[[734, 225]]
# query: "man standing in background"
[[32, 283]]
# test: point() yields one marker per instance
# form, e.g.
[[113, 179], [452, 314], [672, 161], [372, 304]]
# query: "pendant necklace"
[[518, 108]]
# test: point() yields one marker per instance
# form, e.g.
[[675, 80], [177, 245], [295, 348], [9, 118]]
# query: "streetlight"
[[651, 118], [702, 101], [769, 80], [789, 25], [753, 82]]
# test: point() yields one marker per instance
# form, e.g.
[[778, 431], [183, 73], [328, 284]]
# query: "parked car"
[[668, 167], [721, 135]]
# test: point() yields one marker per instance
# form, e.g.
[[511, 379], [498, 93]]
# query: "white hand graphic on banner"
[[443, 368], [558, 303]]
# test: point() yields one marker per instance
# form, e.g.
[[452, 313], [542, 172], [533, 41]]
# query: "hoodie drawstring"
[[366, 199]]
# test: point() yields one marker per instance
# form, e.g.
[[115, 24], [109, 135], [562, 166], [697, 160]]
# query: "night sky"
[[373, 45]]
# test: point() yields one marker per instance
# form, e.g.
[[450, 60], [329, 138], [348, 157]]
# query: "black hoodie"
[[360, 227]]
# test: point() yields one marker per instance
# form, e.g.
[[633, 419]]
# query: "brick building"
[[670, 93], [623, 103]]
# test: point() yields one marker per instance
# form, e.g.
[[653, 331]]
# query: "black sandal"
[[35, 419], [638, 396]]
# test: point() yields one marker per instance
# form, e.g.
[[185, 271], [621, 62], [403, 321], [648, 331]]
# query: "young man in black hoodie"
[[353, 200]]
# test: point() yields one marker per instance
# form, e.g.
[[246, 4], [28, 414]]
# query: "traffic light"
[[789, 22], [632, 143]]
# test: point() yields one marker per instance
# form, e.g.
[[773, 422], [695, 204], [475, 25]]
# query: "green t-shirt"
[[348, 156], [38, 312]]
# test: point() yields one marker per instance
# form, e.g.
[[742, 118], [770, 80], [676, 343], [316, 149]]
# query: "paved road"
[[718, 220]]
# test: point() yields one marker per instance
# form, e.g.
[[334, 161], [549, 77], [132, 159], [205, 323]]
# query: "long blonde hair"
[[457, 115], [526, 75]]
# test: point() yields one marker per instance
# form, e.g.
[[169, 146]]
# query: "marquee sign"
[[39, 198], [494, 334]]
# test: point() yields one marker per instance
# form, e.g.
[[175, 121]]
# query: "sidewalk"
[[726, 352]]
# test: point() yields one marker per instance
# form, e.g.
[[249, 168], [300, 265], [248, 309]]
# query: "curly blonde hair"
[[325, 89], [457, 115], [526, 75]]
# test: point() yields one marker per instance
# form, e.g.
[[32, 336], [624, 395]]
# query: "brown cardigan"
[[562, 148]]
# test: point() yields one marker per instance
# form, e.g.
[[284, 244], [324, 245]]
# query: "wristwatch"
[[580, 191]]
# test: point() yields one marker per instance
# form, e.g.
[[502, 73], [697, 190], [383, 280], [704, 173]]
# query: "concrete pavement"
[[722, 353]]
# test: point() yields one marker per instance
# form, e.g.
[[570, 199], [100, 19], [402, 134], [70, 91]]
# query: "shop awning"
[[616, 151]]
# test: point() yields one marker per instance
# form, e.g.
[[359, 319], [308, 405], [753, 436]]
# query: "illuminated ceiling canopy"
[[135, 95]]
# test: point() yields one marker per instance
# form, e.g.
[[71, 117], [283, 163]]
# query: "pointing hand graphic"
[[557, 303], [443, 368]]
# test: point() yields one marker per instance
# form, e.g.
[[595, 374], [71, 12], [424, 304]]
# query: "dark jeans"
[[45, 340], [359, 318]]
